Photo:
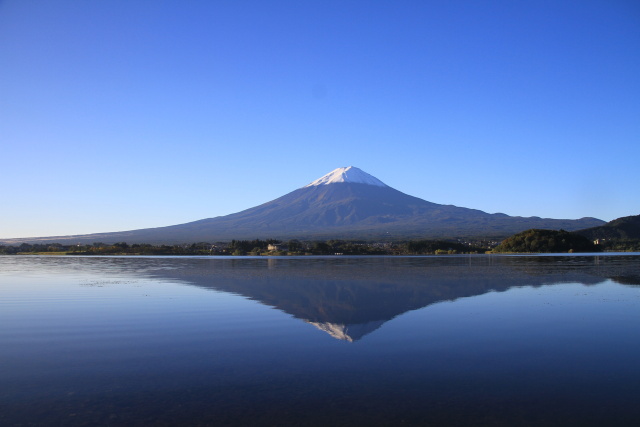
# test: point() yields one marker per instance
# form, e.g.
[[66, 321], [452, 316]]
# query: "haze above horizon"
[[125, 115]]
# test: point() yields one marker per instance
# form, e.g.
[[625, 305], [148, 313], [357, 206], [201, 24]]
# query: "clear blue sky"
[[117, 115]]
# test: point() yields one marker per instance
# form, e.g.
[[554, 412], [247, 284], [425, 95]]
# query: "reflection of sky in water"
[[185, 340]]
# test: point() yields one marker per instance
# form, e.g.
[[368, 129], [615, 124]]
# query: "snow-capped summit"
[[348, 174]]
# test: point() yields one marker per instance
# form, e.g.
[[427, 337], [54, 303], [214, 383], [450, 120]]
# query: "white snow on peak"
[[349, 174]]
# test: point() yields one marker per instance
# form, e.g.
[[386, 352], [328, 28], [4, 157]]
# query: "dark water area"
[[455, 340]]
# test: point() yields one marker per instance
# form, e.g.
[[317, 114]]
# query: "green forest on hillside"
[[546, 241]]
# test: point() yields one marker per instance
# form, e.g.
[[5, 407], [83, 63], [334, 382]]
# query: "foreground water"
[[460, 340]]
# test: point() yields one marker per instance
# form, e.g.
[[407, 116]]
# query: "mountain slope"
[[346, 203]]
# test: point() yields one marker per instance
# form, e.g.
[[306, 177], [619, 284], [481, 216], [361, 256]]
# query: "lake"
[[481, 340]]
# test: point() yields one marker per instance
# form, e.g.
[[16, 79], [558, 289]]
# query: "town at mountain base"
[[347, 203]]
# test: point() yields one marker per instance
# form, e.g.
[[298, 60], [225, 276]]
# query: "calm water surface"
[[457, 340]]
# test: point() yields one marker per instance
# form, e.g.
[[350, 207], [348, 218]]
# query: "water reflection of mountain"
[[351, 297]]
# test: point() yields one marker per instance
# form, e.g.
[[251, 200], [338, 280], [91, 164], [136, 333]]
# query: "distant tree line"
[[98, 248], [347, 247], [529, 241], [251, 247]]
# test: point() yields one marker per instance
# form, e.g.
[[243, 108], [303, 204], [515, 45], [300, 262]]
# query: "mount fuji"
[[346, 203]]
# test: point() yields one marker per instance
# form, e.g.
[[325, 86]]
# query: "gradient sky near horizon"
[[118, 115]]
